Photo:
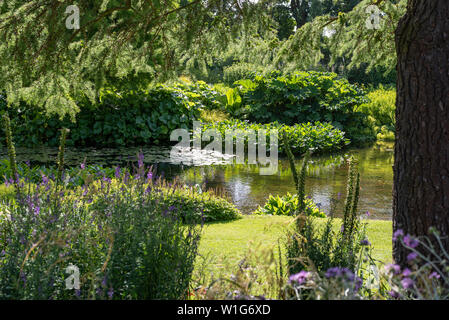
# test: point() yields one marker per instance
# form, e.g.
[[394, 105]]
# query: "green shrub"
[[202, 94], [287, 205], [318, 137], [381, 110], [195, 205], [241, 70], [304, 97]]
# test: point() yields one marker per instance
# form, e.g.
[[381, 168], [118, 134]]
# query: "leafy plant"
[[116, 119], [320, 137], [287, 205], [381, 110], [304, 97]]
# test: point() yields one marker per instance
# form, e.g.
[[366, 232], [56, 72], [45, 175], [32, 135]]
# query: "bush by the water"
[[195, 205], [302, 97], [318, 137]]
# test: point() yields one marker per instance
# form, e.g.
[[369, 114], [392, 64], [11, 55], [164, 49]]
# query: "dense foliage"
[[302, 97], [381, 110], [117, 119]]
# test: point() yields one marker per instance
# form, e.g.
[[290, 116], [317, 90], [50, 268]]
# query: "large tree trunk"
[[421, 168]]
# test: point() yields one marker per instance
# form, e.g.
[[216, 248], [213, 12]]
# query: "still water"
[[325, 182], [245, 187]]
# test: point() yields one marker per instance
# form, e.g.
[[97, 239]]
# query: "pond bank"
[[244, 186]]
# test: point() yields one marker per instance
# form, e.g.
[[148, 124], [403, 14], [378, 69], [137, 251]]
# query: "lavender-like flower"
[[140, 159], [406, 272], [44, 179], [411, 242], [412, 256], [365, 242], [300, 278], [117, 172], [346, 275], [434, 275], [407, 283], [398, 233], [393, 267], [110, 293], [149, 175]]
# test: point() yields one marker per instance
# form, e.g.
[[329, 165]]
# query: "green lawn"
[[225, 244]]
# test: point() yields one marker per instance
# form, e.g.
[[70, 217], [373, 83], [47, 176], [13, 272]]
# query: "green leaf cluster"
[[287, 205], [318, 137]]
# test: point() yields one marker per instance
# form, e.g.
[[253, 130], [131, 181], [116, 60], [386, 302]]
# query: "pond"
[[245, 187], [325, 182]]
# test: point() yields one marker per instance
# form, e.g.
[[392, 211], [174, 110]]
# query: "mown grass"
[[224, 245]]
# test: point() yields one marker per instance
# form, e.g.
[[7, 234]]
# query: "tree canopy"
[[48, 65]]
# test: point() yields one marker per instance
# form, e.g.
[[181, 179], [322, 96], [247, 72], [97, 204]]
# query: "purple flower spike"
[[103, 283], [117, 172], [365, 242], [149, 175], [140, 159]]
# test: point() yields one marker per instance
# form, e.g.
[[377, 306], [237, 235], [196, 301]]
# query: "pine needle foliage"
[[46, 64]]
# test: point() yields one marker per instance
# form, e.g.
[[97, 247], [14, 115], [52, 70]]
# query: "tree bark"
[[421, 167]]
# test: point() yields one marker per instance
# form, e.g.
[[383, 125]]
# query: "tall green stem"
[[11, 150], [62, 141]]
